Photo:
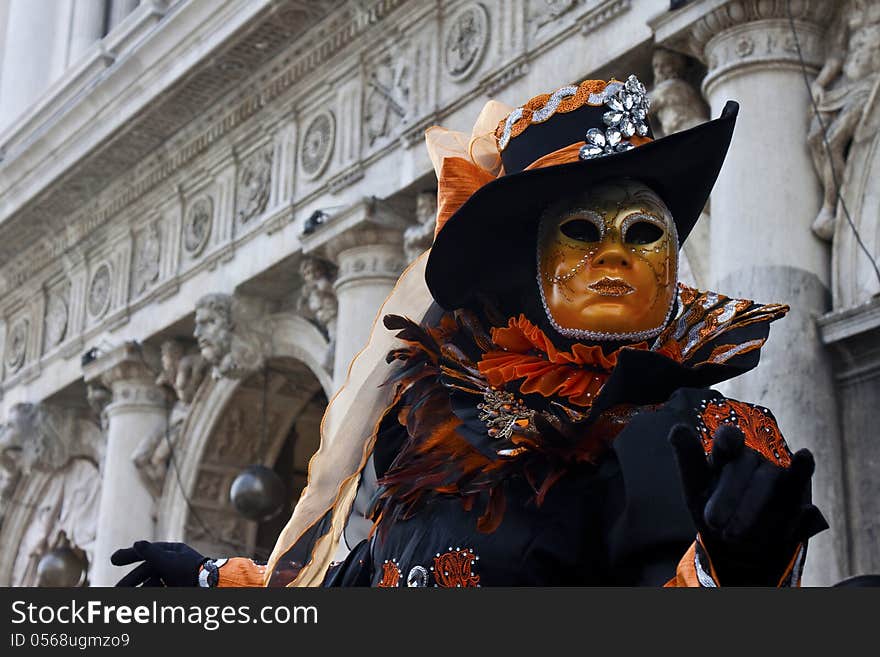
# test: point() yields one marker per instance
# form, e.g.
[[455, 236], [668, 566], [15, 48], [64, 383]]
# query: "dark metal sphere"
[[257, 493], [61, 566]]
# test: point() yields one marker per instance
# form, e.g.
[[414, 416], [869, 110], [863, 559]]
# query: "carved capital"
[[369, 221], [129, 372], [370, 260], [729, 35]]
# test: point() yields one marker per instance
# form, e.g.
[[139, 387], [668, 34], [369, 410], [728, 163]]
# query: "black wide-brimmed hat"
[[556, 146]]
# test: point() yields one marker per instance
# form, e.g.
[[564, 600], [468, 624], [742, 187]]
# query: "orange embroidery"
[[757, 424], [390, 575], [454, 569]]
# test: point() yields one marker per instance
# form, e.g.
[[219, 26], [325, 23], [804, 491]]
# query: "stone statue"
[[182, 373], [418, 238], [845, 92], [232, 334], [317, 300], [675, 103], [40, 439]]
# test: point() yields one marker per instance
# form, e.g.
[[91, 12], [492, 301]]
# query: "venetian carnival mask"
[[608, 263]]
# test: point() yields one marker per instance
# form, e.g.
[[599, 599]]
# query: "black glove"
[[751, 513], [165, 564]]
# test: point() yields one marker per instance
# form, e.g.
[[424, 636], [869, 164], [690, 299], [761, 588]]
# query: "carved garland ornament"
[[56, 316], [147, 253], [254, 183]]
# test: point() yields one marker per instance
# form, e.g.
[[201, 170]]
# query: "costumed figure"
[[545, 416]]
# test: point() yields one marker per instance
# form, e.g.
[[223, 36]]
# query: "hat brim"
[[497, 226]]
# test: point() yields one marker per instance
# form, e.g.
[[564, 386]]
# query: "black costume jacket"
[[524, 465]]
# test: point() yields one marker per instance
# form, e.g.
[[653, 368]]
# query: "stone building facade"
[[203, 205]]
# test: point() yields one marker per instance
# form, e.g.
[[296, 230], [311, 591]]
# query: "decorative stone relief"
[[317, 300], [233, 529], [232, 333], [147, 252], [55, 321], [317, 145], [183, 373], [197, 225], [98, 397], [387, 96], [16, 345], [418, 238], [211, 487], [99, 291], [59, 442], [542, 12], [675, 103], [254, 184], [466, 40], [845, 92], [238, 438]]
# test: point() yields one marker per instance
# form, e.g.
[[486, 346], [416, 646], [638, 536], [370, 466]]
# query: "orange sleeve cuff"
[[692, 573], [239, 572]]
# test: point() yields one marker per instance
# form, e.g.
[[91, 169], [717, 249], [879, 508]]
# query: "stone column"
[[119, 9], [368, 270], [761, 245], [365, 241], [138, 408], [27, 59], [87, 26]]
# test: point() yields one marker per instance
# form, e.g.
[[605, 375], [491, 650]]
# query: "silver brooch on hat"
[[626, 116]]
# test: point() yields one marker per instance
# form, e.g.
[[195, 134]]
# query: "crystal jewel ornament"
[[625, 118]]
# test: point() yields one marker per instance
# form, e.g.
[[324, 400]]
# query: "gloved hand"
[[751, 514], [164, 564]]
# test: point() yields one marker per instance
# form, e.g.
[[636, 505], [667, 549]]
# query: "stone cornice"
[[124, 192], [842, 325]]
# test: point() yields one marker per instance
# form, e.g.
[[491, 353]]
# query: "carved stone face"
[[668, 65], [608, 259], [213, 331], [311, 270]]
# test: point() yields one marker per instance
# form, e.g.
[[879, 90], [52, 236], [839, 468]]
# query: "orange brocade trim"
[[455, 569], [528, 354], [390, 576], [240, 572], [759, 428]]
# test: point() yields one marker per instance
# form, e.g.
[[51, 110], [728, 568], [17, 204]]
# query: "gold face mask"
[[608, 263]]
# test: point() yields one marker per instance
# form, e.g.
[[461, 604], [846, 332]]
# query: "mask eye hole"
[[582, 230], [642, 232]]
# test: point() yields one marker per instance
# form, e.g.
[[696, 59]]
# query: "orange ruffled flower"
[[529, 355]]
